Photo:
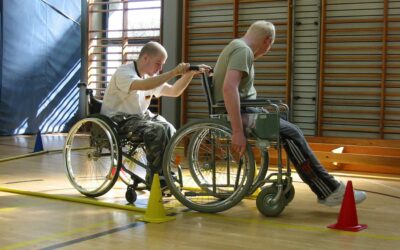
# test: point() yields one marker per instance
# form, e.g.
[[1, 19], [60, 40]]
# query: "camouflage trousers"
[[155, 132]]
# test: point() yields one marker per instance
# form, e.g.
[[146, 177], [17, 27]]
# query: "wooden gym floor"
[[30, 222]]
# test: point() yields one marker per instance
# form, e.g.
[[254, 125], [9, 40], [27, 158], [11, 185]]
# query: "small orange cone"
[[155, 211], [348, 220]]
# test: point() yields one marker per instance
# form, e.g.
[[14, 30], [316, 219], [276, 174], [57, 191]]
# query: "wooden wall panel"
[[210, 25], [335, 62], [355, 97], [305, 64]]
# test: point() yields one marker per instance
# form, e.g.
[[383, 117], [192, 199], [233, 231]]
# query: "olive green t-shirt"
[[236, 55]]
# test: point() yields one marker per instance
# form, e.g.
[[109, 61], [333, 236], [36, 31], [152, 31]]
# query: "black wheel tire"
[[265, 205], [130, 195], [290, 194]]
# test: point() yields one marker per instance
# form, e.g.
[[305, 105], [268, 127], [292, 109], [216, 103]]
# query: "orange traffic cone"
[[348, 220]]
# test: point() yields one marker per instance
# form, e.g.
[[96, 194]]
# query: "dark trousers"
[[300, 154], [306, 163]]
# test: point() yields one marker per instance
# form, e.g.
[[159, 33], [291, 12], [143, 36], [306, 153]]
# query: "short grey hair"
[[262, 29], [152, 49]]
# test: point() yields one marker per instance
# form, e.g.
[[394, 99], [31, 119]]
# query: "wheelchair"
[[202, 172], [96, 154]]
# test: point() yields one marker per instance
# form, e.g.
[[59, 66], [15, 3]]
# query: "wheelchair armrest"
[[255, 102], [219, 104], [275, 105], [247, 103]]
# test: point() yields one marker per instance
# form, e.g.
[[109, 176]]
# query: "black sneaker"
[[164, 187], [163, 183]]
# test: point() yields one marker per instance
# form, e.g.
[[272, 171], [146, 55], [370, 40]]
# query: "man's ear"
[[268, 40]]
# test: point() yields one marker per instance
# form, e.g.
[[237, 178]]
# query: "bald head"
[[153, 49]]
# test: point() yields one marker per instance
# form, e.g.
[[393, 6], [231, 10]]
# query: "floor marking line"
[[57, 235], [93, 236], [14, 182]]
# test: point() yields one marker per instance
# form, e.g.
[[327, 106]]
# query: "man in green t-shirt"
[[234, 81]]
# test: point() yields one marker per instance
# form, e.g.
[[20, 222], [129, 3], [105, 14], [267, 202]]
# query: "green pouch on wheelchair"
[[267, 126]]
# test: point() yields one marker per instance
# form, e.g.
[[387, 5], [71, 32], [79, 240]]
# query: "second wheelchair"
[[210, 179], [96, 154]]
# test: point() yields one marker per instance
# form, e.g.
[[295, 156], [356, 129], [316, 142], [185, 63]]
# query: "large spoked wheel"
[[196, 149], [266, 203], [140, 170], [203, 175], [92, 156]]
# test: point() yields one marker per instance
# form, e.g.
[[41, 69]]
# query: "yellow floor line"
[[37, 153], [23, 156], [8, 209], [74, 199]]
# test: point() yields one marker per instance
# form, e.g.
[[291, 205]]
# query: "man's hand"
[[181, 69], [198, 69], [239, 142], [204, 68]]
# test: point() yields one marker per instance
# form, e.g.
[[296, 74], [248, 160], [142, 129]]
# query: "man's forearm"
[[232, 104], [178, 87], [151, 82], [181, 84]]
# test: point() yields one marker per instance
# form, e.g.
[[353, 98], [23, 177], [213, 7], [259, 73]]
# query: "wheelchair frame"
[[108, 155], [270, 201]]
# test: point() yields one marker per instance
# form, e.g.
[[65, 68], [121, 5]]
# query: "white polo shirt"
[[119, 98]]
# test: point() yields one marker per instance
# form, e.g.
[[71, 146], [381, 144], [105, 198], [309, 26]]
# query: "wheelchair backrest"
[[213, 108], [207, 85], [94, 103]]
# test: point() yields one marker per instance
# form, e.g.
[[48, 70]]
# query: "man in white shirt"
[[128, 96]]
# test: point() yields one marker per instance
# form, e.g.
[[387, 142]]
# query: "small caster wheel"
[[130, 194], [290, 195], [265, 203]]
